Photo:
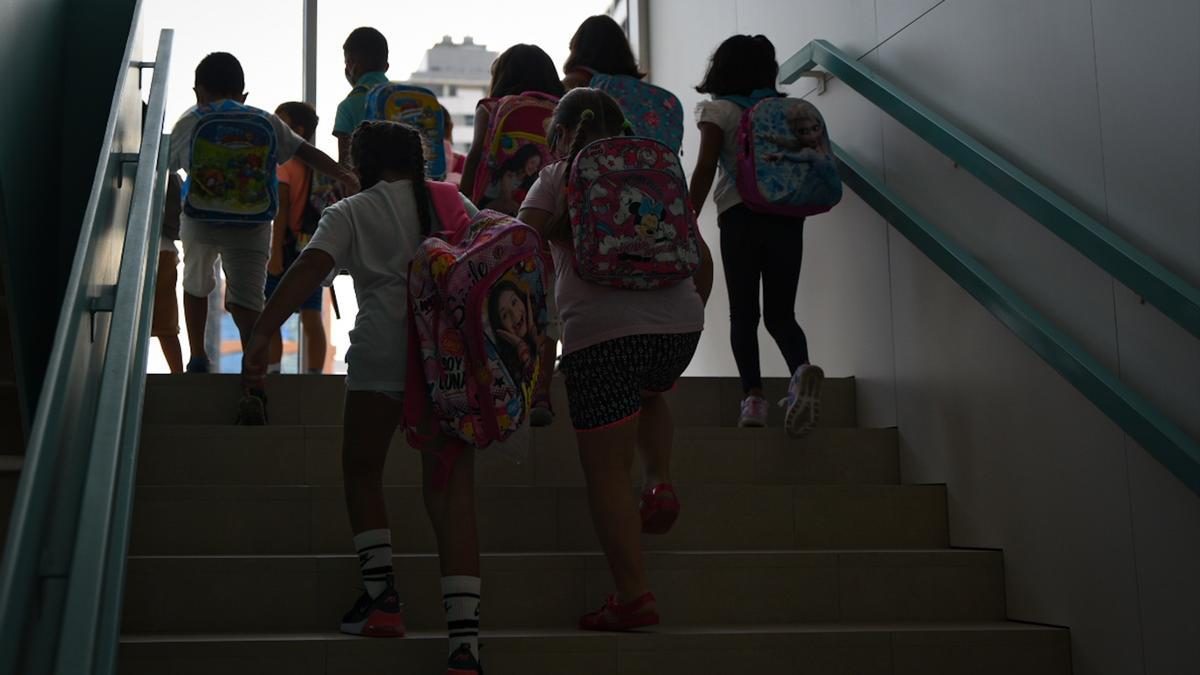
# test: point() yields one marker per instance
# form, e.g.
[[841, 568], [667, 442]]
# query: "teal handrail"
[[61, 581], [1174, 297], [1163, 439]]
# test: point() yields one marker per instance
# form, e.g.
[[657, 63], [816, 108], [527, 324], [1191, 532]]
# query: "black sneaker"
[[381, 617], [252, 409], [463, 662]]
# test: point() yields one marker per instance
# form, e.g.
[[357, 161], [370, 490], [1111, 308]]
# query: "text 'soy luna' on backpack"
[[514, 149], [418, 107], [477, 324], [231, 176], [653, 111], [785, 163], [632, 224]]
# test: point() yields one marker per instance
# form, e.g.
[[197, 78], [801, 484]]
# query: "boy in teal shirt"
[[366, 56]]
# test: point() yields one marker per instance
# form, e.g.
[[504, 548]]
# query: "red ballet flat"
[[659, 509]]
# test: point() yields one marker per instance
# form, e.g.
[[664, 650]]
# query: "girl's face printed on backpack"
[[512, 314], [808, 131]]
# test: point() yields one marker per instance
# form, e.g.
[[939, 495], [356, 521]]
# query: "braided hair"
[[378, 146], [593, 114]]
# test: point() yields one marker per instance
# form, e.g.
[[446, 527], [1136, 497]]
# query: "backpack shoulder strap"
[[447, 203]]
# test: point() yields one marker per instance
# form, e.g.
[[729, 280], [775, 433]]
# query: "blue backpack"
[[653, 111], [231, 177], [418, 107]]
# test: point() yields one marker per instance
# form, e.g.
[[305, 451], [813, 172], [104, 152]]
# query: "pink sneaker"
[[803, 402], [754, 412]]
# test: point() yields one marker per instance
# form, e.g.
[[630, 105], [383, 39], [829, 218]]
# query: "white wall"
[[1098, 98]]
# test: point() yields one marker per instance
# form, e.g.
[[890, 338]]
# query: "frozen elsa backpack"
[[653, 111], [418, 107], [231, 176], [514, 149], [785, 163], [477, 317], [632, 225]]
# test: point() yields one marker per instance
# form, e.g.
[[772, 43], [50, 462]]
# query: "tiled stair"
[[790, 556]]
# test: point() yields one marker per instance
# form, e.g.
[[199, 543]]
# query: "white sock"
[[460, 597], [274, 367], [374, 559]]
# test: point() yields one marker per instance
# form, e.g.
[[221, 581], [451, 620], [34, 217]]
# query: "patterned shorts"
[[606, 382]]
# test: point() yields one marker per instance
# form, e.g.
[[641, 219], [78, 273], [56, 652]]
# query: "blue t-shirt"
[[353, 109]]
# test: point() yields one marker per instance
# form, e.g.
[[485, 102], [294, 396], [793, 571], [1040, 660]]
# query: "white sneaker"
[[754, 412], [803, 402]]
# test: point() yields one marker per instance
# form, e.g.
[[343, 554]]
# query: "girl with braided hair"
[[622, 349], [374, 235]]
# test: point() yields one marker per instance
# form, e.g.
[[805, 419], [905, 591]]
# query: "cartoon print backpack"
[[653, 111], [515, 150], [232, 173], [477, 320], [323, 192], [785, 164], [632, 223], [419, 107]]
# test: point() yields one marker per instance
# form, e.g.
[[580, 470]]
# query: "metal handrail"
[[1136, 416], [79, 626], [1174, 297]]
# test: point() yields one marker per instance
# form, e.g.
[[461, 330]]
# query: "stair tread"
[[550, 633]]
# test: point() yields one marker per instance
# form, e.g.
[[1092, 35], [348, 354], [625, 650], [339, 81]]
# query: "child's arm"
[[278, 229], [537, 219], [704, 276], [302, 278], [711, 140], [319, 161], [343, 149], [476, 154]]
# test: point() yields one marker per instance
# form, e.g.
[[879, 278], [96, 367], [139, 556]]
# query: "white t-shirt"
[[374, 235], [215, 233], [727, 115]]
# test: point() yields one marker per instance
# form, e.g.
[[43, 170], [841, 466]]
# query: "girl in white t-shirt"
[[756, 249], [621, 350], [374, 235]]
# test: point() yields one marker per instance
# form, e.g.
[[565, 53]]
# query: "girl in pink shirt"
[[622, 349]]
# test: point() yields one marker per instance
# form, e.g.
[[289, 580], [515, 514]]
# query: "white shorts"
[[245, 273]]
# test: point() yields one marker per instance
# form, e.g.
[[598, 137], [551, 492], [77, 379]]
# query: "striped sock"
[[460, 597], [375, 559]]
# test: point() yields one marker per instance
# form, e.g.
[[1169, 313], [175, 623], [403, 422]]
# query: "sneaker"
[[252, 409], [381, 617], [754, 412], [197, 364], [541, 414], [614, 616], [803, 401], [463, 662]]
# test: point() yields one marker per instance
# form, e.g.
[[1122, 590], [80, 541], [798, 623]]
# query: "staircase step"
[[311, 455], [267, 520], [248, 594], [318, 399], [991, 648]]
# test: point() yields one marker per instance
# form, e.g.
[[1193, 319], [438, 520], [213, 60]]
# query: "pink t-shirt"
[[592, 313]]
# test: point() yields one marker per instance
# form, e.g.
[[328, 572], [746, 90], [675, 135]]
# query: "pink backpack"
[[631, 220], [477, 318], [514, 149]]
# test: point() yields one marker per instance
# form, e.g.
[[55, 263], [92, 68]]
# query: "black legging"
[[757, 246]]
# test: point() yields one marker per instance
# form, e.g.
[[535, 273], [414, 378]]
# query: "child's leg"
[[741, 259], [451, 510], [780, 281], [172, 352], [368, 423], [245, 280], [199, 279], [607, 455], [164, 323], [315, 343], [656, 435]]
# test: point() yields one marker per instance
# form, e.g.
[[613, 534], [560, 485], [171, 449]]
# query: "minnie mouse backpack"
[[632, 224]]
